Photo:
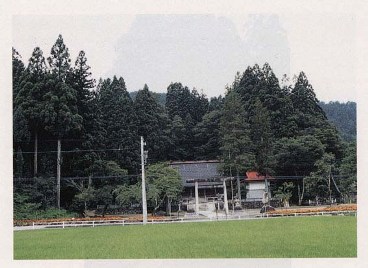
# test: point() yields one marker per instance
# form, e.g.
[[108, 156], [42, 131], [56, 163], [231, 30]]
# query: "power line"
[[73, 151]]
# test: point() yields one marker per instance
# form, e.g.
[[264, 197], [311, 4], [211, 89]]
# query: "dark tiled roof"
[[197, 170]]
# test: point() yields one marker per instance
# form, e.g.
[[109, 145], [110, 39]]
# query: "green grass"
[[275, 238]]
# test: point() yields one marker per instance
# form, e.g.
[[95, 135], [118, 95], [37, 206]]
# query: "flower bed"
[[344, 207]]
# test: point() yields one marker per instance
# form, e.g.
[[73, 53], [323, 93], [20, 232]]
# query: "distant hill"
[[343, 116]]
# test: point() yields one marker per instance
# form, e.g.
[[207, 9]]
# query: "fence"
[[192, 218]]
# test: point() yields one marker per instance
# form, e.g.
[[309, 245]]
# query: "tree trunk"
[[301, 194], [168, 206], [58, 173], [35, 165]]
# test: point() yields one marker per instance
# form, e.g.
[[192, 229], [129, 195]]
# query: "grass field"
[[275, 238]]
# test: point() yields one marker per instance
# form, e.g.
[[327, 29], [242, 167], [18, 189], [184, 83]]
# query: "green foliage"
[[318, 184], [59, 60], [343, 116], [163, 184], [165, 179], [118, 119], [235, 131], [348, 169], [60, 111], [297, 156], [261, 137], [26, 210], [207, 135], [128, 195], [152, 124], [85, 196], [284, 193]]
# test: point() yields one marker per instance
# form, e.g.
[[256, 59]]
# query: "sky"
[[202, 51]]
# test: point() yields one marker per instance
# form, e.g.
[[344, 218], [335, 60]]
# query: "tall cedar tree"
[[61, 110], [311, 119], [21, 133], [207, 135], [152, 124], [89, 137], [29, 102], [261, 137], [190, 106], [119, 121], [236, 146], [177, 145], [59, 60], [178, 100]]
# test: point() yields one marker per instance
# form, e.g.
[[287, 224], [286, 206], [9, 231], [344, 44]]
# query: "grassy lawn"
[[334, 236]]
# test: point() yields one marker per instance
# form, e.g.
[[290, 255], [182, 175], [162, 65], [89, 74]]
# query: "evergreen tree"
[[60, 112], [29, 99], [18, 71], [305, 103], [83, 84], [178, 100], [311, 119], [261, 137], [207, 135], [119, 121], [236, 147], [297, 156], [90, 135], [199, 105], [177, 132], [152, 124], [59, 60]]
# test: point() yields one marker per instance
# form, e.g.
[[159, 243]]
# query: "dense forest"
[[343, 116], [259, 124]]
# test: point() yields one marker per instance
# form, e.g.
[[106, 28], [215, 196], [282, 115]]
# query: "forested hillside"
[[257, 125], [343, 116]]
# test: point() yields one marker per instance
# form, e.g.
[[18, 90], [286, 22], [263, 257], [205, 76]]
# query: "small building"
[[204, 172], [203, 185], [257, 185]]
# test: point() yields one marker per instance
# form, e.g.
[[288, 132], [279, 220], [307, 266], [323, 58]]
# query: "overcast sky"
[[202, 51]]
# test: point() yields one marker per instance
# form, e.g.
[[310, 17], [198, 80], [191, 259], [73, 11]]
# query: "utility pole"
[[226, 206], [329, 186], [58, 172], [144, 201], [232, 193]]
